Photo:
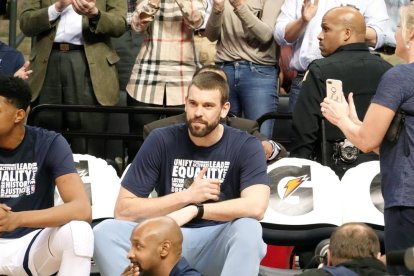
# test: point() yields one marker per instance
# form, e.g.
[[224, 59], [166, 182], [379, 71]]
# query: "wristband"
[[275, 149], [200, 210]]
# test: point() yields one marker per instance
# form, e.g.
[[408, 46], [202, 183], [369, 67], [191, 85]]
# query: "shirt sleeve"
[[60, 158], [143, 15], [261, 26], [193, 12], [376, 17], [287, 15], [53, 13], [253, 164], [213, 27], [19, 62], [390, 92], [143, 174]]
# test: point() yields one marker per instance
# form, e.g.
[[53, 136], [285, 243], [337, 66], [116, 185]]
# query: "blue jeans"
[[295, 91], [233, 248], [253, 91]]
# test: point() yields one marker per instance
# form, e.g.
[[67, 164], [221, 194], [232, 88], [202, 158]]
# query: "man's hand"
[[154, 3], [131, 270], [8, 221], [268, 148], [335, 111], [237, 3], [85, 7], [352, 110], [203, 189], [309, 10], [184, 215], [218, 5], [60, 5], [23, 73]]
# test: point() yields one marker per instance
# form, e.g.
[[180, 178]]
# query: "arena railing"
[[123, 137]]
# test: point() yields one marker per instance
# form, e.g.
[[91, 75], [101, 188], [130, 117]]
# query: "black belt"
[[200, 32], [386, 49], [300, 73], [65, 47]]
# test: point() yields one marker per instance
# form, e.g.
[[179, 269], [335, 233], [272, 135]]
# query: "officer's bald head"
[[341, 26]]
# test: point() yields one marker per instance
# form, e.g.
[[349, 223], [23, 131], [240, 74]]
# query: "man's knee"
[[248, 232], [112, 230], [76, 236], [103, 228]]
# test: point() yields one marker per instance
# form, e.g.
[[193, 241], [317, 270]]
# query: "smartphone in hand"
[[334, 89]]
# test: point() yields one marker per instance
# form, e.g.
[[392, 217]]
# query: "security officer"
[[346, 58]]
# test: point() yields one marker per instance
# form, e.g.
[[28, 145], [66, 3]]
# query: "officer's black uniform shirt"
[[360, 72]]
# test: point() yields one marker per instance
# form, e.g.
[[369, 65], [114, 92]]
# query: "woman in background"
[[395, 93]]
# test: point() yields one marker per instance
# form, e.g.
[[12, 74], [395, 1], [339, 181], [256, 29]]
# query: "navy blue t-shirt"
[[28, 173], [396, 91], [11, 60], [182, 268], [169, 161]]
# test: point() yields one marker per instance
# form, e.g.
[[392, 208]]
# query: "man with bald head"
[[347, 58], [156, 246]]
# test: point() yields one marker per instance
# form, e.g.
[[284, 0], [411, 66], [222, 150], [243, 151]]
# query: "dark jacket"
[[360, 72], [363, 267], [182, 268], [11, 60]]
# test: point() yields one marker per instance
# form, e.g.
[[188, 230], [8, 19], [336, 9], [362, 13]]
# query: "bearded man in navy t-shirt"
[[209, 177]]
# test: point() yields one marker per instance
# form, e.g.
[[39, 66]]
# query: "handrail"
[[14, 40], [274, 115], [105, 136], [104, 109]]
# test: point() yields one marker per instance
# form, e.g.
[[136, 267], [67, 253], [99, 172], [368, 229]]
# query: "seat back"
[[308, 200], [283, 122], [101, 184]]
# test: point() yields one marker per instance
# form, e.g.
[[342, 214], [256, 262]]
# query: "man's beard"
[[202, 132]]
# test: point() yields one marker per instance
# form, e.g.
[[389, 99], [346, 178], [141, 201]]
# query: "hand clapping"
[[237, 3], [309, 10], [23, 72], [7, 223], [60, 5], [85, 7]]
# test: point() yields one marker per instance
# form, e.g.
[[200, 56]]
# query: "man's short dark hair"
[[16, 91], [353, 241], [210, 81], [208, 67]]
